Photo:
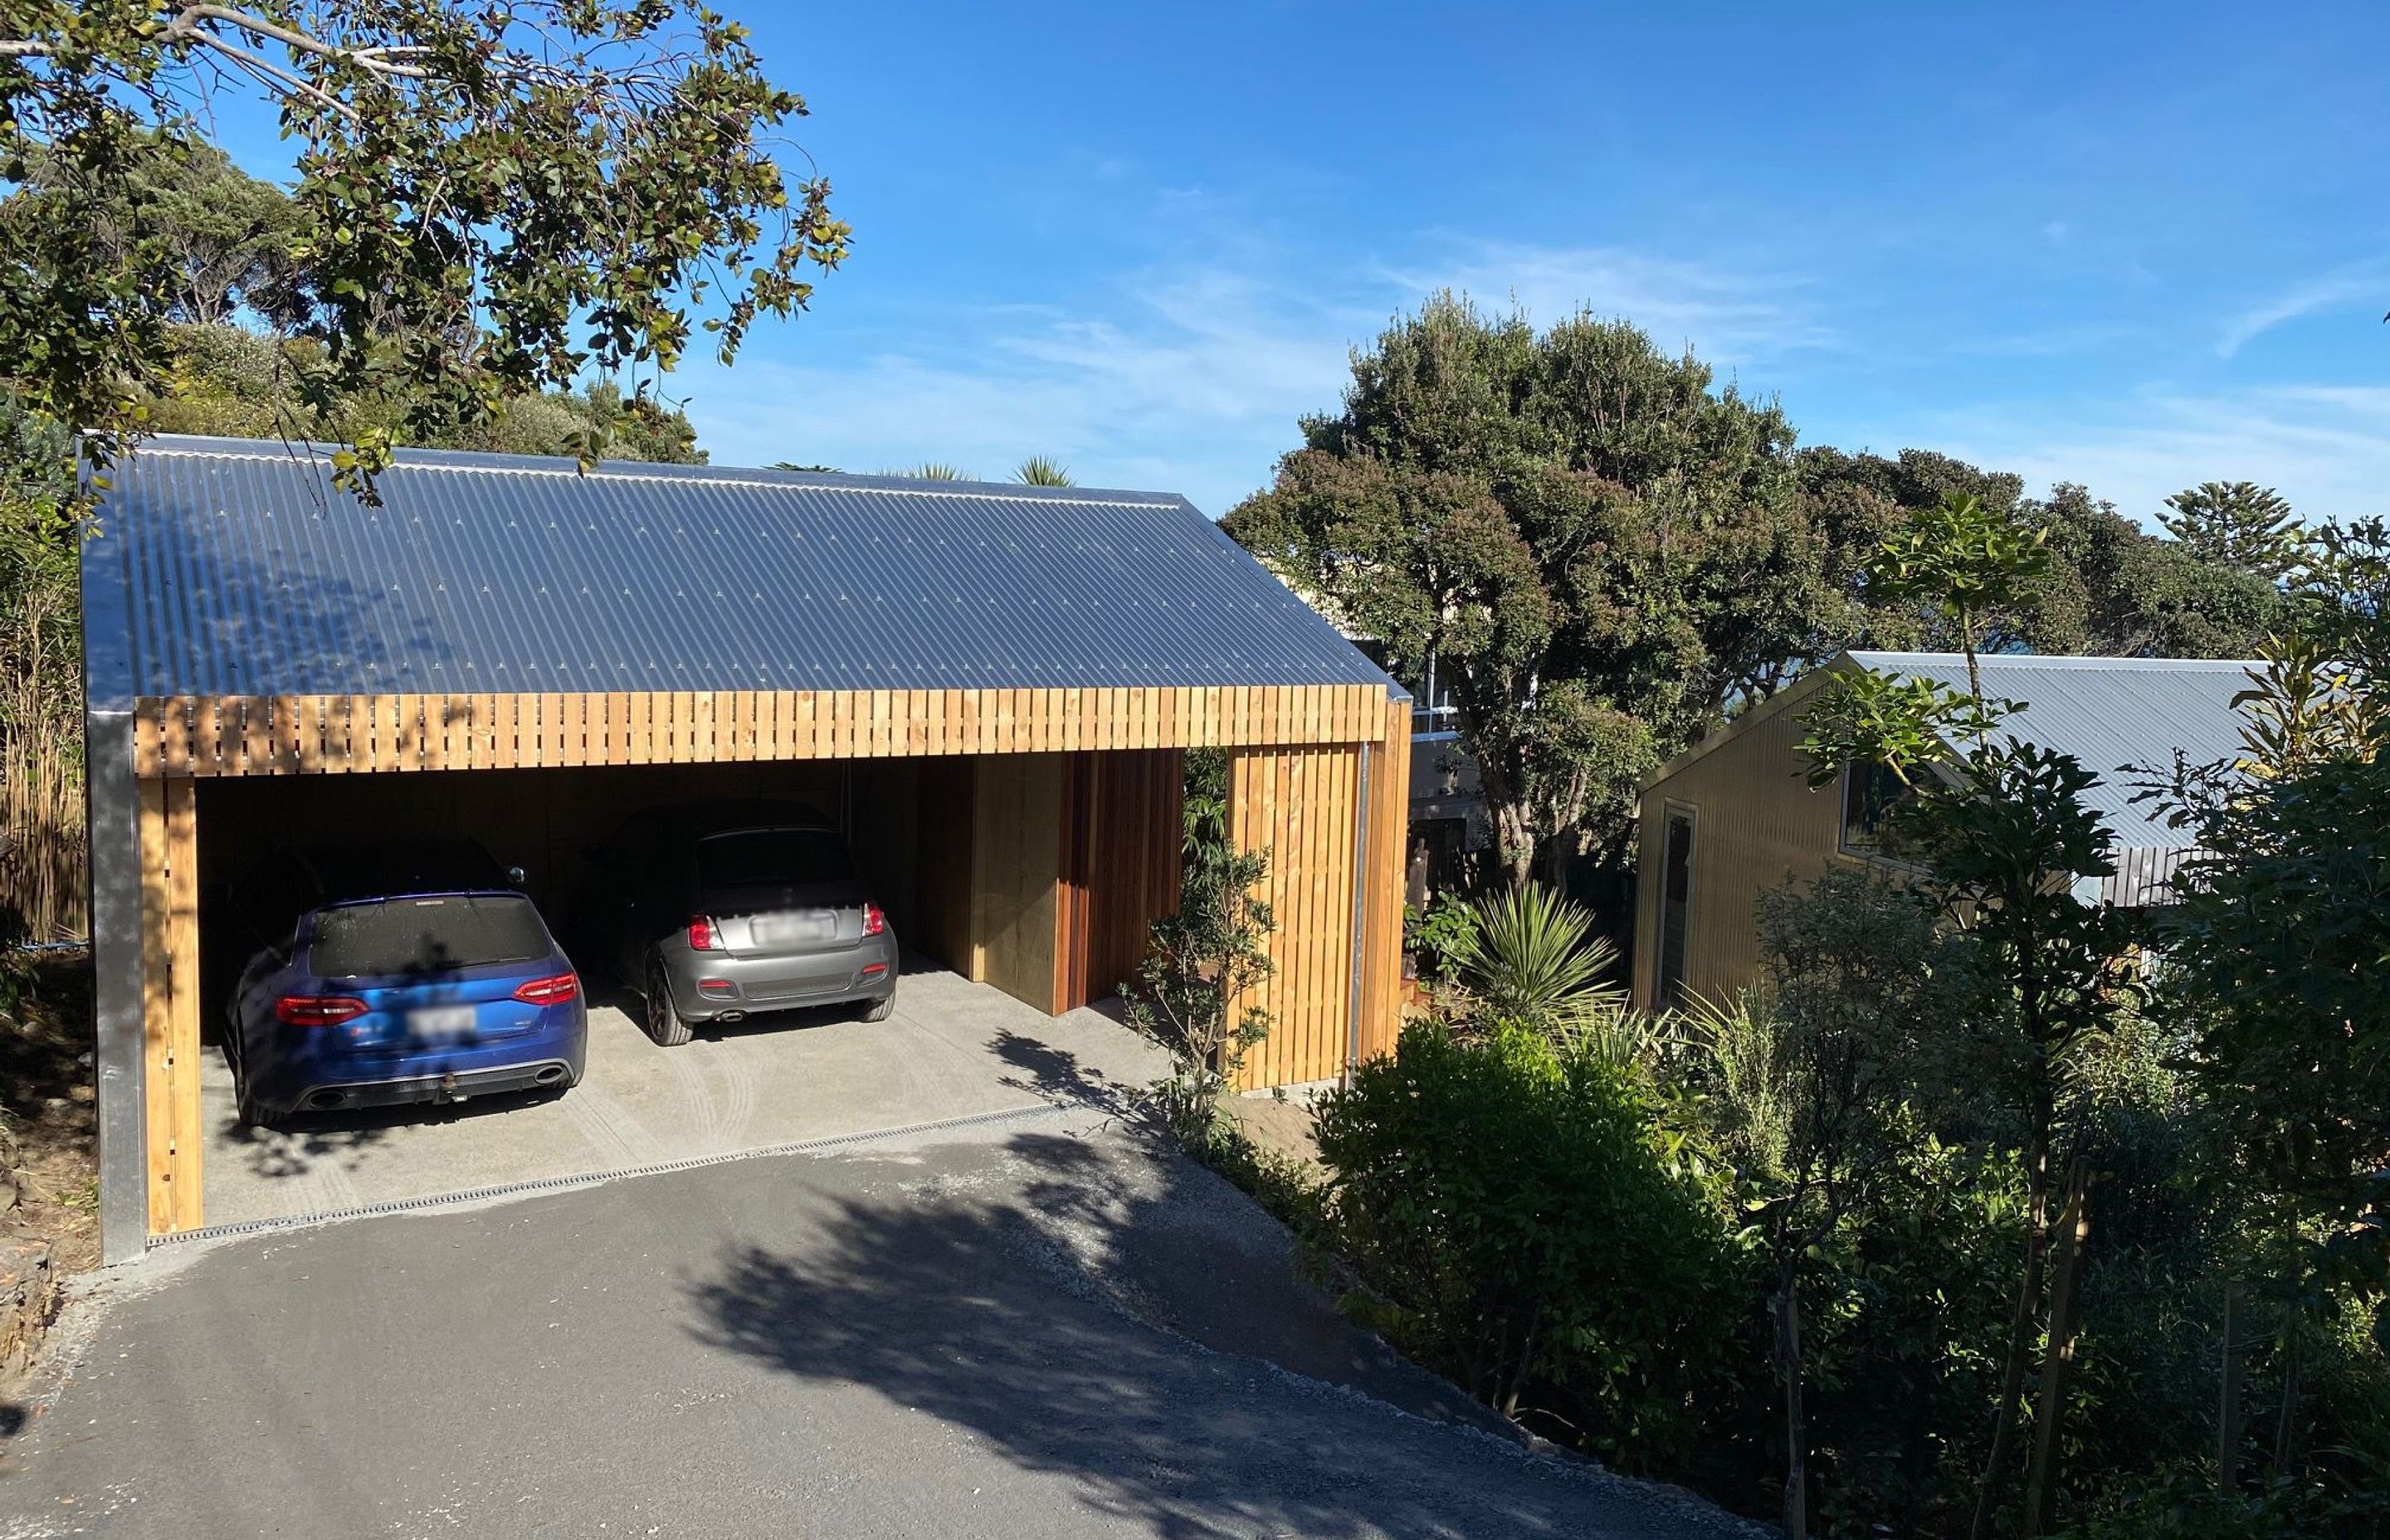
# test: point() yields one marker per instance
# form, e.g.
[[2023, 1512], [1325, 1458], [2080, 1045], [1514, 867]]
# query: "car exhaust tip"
[[731, 1018], [324, 1101], [550, 1076]]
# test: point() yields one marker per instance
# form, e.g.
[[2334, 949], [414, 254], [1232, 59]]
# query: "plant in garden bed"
[[1440, 935], [1808, 1084], [1523, 1230], [1192, 993], [2002, 829]]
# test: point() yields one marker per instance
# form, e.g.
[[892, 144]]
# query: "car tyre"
[[662, 1018], [881, 1008], [245, 1112]]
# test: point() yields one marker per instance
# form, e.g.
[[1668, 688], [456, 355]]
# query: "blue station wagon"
[[397, 974]]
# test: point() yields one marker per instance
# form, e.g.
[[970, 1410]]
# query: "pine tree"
[[2238, 524]]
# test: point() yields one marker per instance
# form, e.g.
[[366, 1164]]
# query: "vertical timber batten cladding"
[[1044, 657]]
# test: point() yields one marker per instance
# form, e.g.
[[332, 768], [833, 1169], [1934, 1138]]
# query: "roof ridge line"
[[729, 477]]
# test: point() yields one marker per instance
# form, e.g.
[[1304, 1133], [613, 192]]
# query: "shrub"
[[1531, 957], [1204, 961], [1441, 935], [1505, 1196]]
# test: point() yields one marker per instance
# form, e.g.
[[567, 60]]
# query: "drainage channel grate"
[[594, 1178]]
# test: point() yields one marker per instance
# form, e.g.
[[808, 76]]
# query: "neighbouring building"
[[1736, 815]]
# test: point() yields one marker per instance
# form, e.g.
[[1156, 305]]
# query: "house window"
[[1869, 793], [1675, 907]]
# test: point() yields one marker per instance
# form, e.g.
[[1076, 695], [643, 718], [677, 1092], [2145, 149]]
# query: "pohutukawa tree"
[[1599, 549], [491, 200]]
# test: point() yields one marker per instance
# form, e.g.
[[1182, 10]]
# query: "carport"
[[991, 686]]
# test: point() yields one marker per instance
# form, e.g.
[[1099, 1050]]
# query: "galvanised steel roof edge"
[[416, 458], [2094, 663], [1893, 662]]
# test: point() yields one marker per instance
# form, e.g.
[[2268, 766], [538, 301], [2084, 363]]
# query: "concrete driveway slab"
[[952, 1049]]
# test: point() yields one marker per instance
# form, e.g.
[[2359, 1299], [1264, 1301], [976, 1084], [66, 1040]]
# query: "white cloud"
[[2326, 448], [1188, 381], [2346, 288], [1728, 314], [1185, 379]]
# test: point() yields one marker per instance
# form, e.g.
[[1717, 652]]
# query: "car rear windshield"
[[771, 858], [396, 936]]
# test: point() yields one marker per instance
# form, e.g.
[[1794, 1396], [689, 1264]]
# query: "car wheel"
[[244, 1106], [662, 1018], [881, 1008]]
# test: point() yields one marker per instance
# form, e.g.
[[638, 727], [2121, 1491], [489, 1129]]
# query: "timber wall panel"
[[1016, 851], [1301, 804], [169, 972], [235, 736]]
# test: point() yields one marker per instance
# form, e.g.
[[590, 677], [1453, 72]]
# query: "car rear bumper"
[[451, 1085], [707, 985], [337, 1082]]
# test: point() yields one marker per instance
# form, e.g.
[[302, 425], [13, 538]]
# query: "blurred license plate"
[[788, 929], [442, 1023]]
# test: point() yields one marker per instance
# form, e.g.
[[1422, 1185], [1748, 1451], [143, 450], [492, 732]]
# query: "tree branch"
[[186, 23]]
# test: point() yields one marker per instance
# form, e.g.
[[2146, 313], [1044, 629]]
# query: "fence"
[[42, 851]]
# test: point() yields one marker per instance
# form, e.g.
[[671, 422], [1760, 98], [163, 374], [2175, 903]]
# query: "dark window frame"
[[1673, 956]]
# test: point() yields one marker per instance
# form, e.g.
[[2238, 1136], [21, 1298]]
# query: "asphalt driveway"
[[1047, 1328]]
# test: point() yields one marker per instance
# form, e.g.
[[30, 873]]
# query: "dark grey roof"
[[2112, 714], [231, 567]]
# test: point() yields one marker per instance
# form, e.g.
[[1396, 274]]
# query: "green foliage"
[[1600, 550], [220, 239], [2282, 936], [2238, 524], [2183, 1504], [1608, 558], [1506, 1198], [2110, 587], [1902, 722], [932, 470], [1909, 1301], [1042, 470], [1530, 957], [1959, 556], [227, 381], [1441, 936], [492, 201], [1875, 1002], [1192, 993]]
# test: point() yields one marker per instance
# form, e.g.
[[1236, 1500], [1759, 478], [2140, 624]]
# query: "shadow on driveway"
[[1065, 1324]]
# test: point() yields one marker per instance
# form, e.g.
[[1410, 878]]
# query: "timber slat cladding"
[[170, 975], [1301, 805], [180, 736]]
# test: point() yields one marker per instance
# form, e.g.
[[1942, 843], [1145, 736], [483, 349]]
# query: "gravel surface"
[[1061, 1333]]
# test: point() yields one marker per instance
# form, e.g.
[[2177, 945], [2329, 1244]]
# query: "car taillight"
[[874, 921], [317, 1010], [702, 936], [549, 991]]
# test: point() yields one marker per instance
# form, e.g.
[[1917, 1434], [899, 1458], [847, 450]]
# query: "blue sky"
[[2136, 246]]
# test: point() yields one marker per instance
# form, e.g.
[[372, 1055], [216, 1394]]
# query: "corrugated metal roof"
[[232, 567], [2112, 714]]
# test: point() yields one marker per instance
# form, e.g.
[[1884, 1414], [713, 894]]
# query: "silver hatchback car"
[[719, 912]]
